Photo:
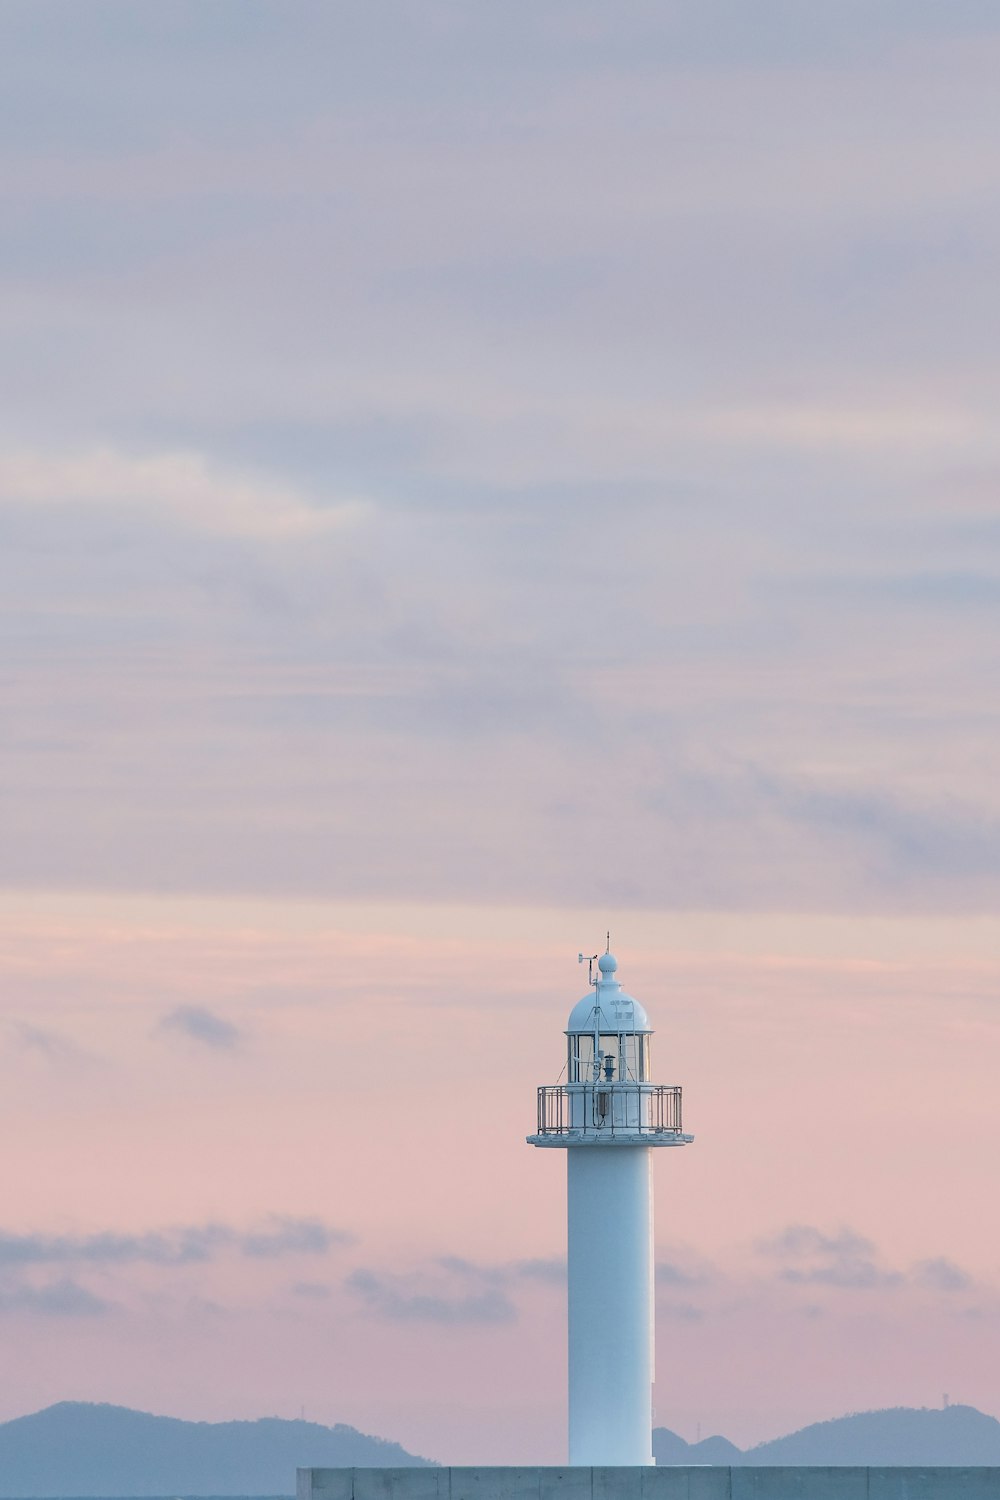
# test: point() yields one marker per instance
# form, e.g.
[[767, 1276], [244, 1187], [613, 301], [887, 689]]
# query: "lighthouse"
[[609, 1117]]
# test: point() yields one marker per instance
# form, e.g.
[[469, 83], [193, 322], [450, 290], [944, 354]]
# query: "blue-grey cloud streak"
[[202, 1025], [408, 1299], [848, 1261], [183, 1245], [56, 1299], [453, 1289]]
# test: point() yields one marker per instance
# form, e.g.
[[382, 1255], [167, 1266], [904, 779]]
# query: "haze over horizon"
[[472, 477]]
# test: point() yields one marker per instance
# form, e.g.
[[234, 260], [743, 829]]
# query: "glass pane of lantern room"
[[609, 1046], [632, 1052], [581, 1057], [635, 1056]]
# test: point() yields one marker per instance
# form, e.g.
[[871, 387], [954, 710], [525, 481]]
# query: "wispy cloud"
[[551, 1270], [673, 1273], [180, 1246], [203, 1025], [801, 1240], [452, 1289], [57, 1299], [185, 488], [292, 1237], [928, 841], [432, 1298], [46, 1043], [847, 1260], [683, 1312], [844, 1260], [941, 1275]]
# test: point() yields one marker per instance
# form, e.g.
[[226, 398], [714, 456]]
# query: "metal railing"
[[609, 1109]]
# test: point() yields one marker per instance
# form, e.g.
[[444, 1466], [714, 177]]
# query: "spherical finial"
[[607, 963]]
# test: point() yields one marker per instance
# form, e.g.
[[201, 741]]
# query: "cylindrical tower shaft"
[[610, 1271]]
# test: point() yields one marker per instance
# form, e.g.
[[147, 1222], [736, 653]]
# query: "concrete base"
[[680, 1482]]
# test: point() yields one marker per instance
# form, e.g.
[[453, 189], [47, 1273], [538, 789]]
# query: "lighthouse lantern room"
[[608, 1117]]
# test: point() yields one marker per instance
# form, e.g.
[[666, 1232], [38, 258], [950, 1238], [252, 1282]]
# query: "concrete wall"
[[666, 1483]]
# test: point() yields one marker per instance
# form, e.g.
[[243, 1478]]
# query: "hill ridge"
[[950, 1436], [85, 1448]]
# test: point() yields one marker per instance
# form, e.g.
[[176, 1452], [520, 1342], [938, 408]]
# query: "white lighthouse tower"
[[608, 1117]]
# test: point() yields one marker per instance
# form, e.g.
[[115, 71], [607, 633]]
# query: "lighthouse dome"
[[618, 1012]]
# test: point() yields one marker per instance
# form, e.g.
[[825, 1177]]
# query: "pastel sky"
[[472, 476]]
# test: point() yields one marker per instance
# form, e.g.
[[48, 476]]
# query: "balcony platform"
[[564, 1138], [609, 1114]]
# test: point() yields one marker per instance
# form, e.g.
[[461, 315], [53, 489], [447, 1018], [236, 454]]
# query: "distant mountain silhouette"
[[77, 1448], [81, 1449], [668, 1448], [912, 1436]]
